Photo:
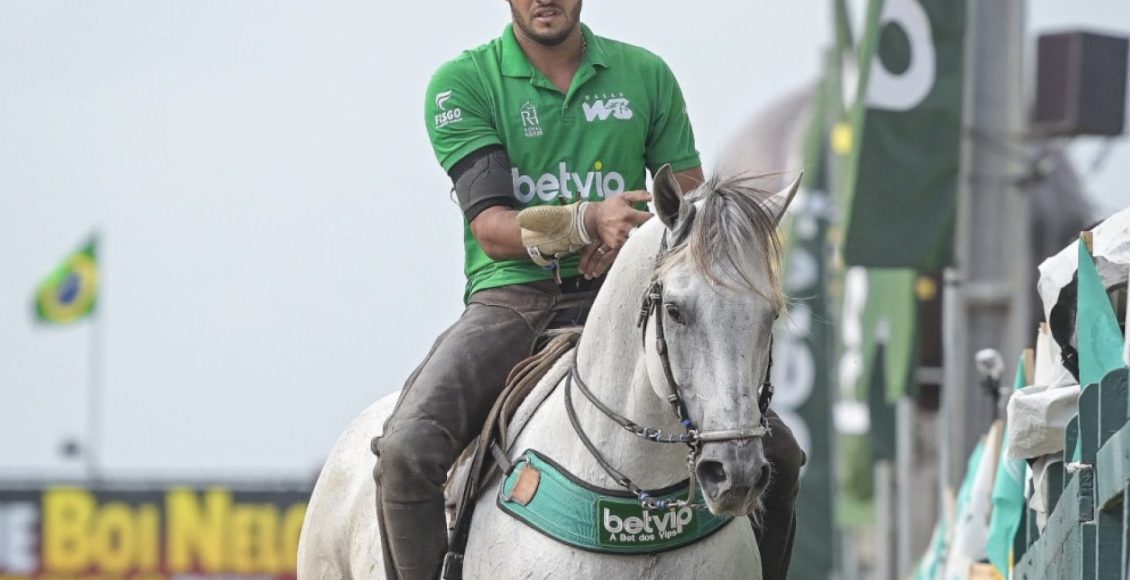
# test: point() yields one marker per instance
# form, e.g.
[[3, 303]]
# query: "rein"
[[692, 436]]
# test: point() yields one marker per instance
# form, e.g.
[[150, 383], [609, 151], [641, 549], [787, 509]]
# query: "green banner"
[[890, 319], [904, 140], [881, 412], [804, 356], [879, 327], [889, 326]]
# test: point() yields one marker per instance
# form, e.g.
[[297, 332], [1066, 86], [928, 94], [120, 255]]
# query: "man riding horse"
[[549, 116]]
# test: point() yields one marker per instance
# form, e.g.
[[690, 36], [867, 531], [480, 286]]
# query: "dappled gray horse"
[[684, 366]]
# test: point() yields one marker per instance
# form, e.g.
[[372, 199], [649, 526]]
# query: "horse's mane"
[[736, 227]]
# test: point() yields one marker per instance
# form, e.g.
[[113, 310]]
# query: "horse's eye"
[[674, 314]]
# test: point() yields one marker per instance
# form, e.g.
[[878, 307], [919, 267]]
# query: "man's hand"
[[612, 219], [556, 230], [595, 260]]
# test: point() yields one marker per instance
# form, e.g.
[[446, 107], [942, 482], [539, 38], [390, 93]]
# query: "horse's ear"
[[781, 200], [668, 196]]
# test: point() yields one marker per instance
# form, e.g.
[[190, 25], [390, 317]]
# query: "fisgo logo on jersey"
[[446, 117], [441, 98], [600, 109], [567, 184]]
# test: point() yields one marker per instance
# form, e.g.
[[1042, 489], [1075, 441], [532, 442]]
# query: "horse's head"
[[718, 295]]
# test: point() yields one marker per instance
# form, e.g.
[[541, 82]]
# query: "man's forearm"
[[497, 231], [690, 179]]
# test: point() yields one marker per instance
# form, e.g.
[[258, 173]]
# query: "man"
[[546, 115]]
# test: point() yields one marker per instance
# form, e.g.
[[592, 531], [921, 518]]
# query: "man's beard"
[[547, 40]]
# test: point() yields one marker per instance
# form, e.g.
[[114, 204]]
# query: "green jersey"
[[624, 113]]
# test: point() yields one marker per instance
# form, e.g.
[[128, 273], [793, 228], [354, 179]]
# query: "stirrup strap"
[[500, 458], [522, 378], [452, 567]]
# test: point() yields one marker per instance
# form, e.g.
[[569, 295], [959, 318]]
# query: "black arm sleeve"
[[482, 180]]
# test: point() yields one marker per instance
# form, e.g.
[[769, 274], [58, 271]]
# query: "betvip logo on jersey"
[[530, 120], [446, 117], [567, 184], [601, 107]]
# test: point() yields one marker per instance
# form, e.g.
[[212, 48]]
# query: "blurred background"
[[275, 248]]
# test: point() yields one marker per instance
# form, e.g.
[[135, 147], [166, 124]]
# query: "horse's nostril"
[[711, 473], [763, 478]]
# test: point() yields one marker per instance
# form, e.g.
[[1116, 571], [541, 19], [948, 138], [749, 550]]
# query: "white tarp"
[[1038, 414], [1112, 258], [1037, 419]]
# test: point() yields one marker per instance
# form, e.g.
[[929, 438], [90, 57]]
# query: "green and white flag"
[[1008, 496], [1096, 325], [803, 353], [902, 136]]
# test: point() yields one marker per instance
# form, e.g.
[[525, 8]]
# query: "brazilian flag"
[[70, 293]]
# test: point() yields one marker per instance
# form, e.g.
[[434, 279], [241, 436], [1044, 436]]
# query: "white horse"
[[719, 294]]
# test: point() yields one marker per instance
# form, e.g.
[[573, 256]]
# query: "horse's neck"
[[610, 363]]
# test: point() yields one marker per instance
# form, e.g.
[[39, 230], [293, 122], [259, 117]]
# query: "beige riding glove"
[[553, 230]]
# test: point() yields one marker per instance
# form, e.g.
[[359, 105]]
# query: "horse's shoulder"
[[546, 386]]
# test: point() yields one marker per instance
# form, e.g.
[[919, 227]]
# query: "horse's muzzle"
[[733, 476]]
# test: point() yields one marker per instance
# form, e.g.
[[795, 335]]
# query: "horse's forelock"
[[734, 228]]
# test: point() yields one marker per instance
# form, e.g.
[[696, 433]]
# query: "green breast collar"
[[549, 499]]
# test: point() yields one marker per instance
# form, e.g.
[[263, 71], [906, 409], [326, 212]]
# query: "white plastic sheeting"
[[1112, 258], [1038, 414]]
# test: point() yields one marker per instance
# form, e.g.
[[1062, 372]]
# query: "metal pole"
[[885, 501], [987, 290], [92, 446], [907, 492]]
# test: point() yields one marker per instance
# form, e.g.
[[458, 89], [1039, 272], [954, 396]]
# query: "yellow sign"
[[150, 535]]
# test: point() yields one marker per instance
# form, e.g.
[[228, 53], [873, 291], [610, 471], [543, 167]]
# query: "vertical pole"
[[92, 447], [885, 502], [904, 484], [988, 290], [849, 568]]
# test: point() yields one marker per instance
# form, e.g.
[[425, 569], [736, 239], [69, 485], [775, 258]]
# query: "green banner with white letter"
[[901, 186], [803, 353]]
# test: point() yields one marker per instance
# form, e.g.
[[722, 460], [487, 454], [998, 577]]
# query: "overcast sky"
[[278, 246]]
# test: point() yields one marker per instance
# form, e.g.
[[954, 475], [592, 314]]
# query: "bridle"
[[692, 436]]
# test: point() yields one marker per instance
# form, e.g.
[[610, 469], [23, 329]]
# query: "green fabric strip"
[[1096, 326], [1008, 497], [602, 520]]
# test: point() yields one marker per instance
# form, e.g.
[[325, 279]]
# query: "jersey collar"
[[515, 63]]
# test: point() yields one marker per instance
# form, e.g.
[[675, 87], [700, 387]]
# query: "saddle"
[[488, 451]]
